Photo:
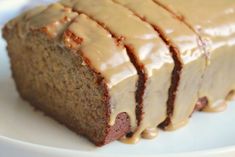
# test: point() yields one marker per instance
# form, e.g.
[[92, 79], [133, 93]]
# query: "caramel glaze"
[[203, 42], [146, 46], [220, 105], [146, 134], [231, 96]]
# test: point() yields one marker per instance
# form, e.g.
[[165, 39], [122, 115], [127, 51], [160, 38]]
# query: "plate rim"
[[43, 148]]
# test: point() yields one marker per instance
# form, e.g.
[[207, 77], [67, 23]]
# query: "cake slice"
[[72, 69], [184, 42], [214, 22], [145, 45]]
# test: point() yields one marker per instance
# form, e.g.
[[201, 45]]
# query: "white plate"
[[26, 132]]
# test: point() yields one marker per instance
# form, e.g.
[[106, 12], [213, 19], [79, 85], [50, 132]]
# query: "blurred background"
[[11, 8]]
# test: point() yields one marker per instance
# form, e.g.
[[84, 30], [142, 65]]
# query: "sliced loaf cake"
[[118, 69]]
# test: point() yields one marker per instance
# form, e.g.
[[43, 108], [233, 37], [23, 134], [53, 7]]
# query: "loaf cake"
[[122, 69]]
